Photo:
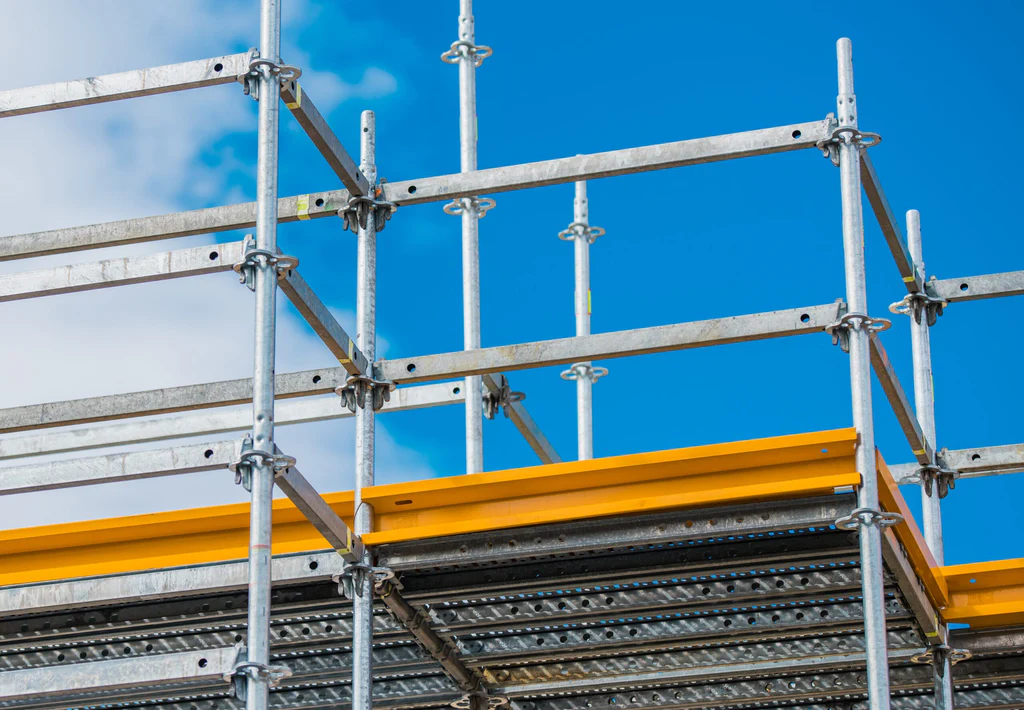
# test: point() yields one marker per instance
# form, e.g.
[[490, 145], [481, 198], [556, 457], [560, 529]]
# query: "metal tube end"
[[844, 55]]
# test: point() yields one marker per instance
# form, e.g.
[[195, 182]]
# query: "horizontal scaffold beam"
[[115, 468], [197, 580], [433, 189], [682, 336], [74, 278], [970, 463], [208, 667], [124, 85], [986, 594], [975, 288], [295, 411], [601, 346]]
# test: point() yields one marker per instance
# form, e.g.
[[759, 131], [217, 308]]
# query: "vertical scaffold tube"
[[366, 324], [924, 406], [860, 385], [924, 397], [258, 640], [584, 384], [470, 237]]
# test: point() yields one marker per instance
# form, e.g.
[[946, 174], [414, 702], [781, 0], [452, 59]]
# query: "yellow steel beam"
[[910, 537], [766, 469], [986, 593], [747, 471]]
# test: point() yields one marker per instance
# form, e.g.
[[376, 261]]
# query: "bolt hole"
[[973, 581], [203, 663], [82, 655], [563, 639], [632, 632], [408, 501], [218, 67], [540, 642], [585, 602], [305, 631], [104, 653], [728, 622], [314, 564], [976, 457], [797, 134], [149, 646], [456, 390], [328, 628], [319, 202], [964, 287], [412, 189], [805, 318], [126, 651], [238, 638], [411, 367], [284, 633], [208, 453], [609, 634], [213, 256], [316, 379], [366, 130], [824, 614]]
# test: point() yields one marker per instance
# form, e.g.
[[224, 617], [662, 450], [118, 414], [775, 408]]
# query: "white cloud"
[[136, 158]]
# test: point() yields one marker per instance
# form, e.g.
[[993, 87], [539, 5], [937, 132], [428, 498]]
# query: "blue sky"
[[699, 242]]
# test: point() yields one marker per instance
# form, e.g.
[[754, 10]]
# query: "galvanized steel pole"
[[584, 384], [470, 238], [258, 639], [860, 385], [924, 396], [924, 406], [366, 340]]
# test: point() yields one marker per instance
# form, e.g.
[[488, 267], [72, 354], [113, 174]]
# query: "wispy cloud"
[[128, 159]]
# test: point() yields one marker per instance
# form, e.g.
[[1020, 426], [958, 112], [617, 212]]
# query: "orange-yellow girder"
[[986, 593], [748, 471]]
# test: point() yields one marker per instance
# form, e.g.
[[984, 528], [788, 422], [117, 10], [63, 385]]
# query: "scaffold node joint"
[[479, 700], [353, 392], [868, 516], [257, 65], [462, 49], [917, 303], [480, 205], [253, 259], [938, 655], [356, 213], [250, 457], [935, 476], [584, 371], [353, 574], [502, 399], [840, 329], [579, 230]]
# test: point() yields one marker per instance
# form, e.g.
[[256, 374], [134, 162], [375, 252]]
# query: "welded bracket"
[[354, 574], [868, 516], [501, 399], [250, 80], [914, 304], [253, 259], [356, 212], [243, 669], [938, 655], [249, 457], [844, 134], [353, 392], [479, 700], [840, 329]]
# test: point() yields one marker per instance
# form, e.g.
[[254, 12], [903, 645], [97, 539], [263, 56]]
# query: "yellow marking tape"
[[302, 206], [908, 279], [298, 97]]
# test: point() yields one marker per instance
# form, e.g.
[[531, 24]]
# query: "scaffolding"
[[772, 573]]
